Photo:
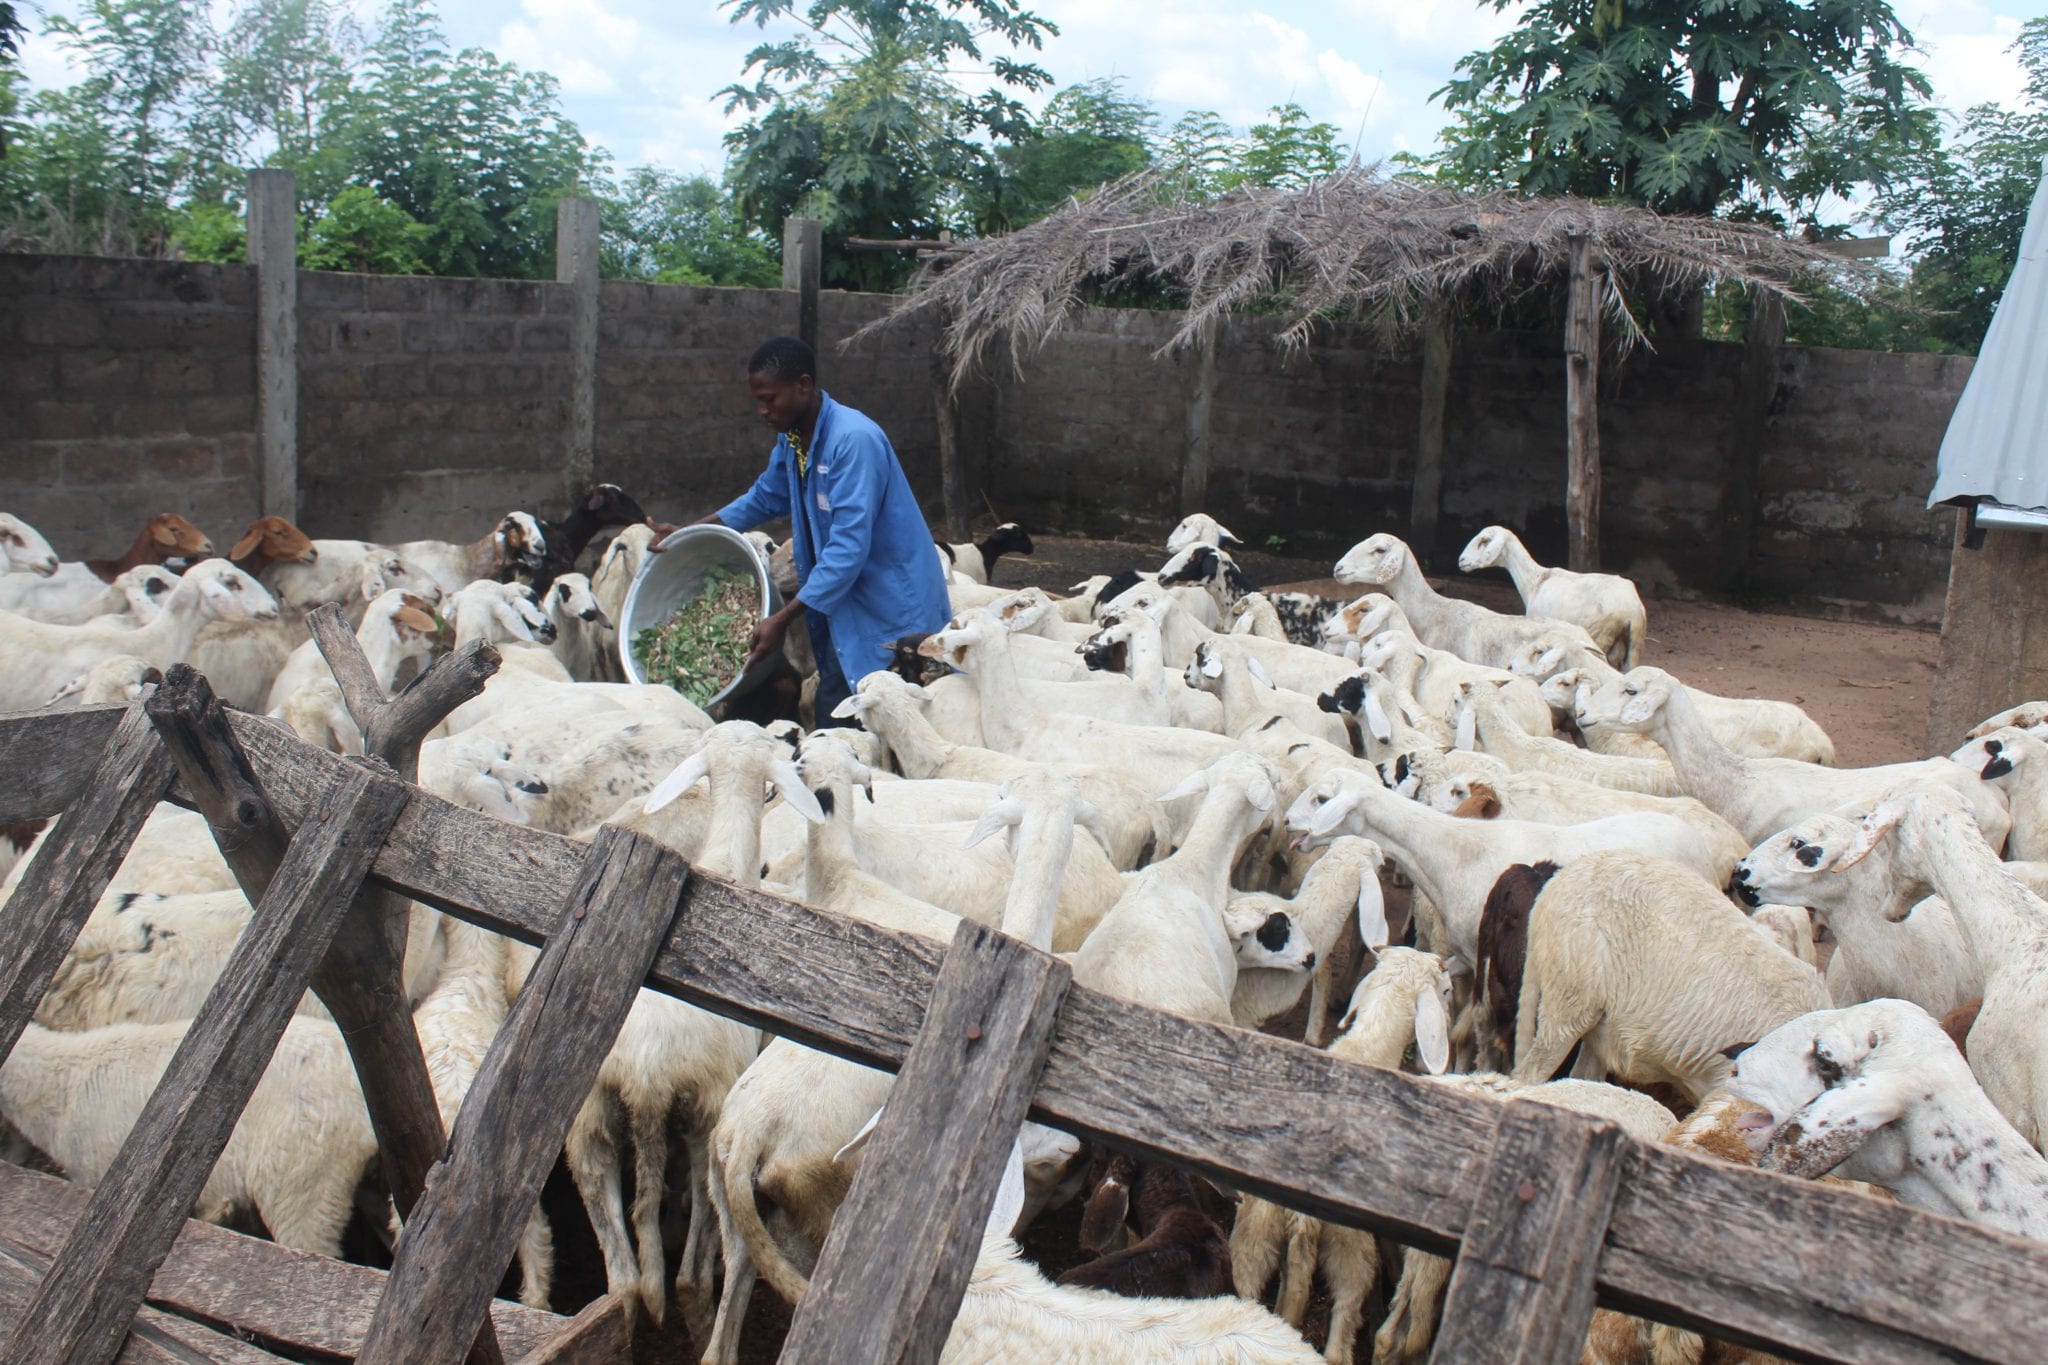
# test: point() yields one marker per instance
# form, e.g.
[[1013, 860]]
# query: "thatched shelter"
[[1356, 244]]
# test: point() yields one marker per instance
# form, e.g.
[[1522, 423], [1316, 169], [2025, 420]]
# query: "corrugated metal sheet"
[[1997, 442]]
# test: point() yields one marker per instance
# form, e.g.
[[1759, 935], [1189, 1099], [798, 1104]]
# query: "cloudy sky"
[[638, 75]]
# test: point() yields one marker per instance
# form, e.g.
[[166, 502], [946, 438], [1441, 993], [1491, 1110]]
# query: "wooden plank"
[[598, 1335], [1713, 1246], [895, 1267], [1693, 1242], [72, 867], [81, 1310], [292, 1301], [49, 757], [1425, 494], [540, 1068], [1582, 406], [1521, 1292], [154, 1338]]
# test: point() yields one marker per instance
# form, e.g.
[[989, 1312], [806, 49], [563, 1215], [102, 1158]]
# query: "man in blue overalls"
[[866, 569]]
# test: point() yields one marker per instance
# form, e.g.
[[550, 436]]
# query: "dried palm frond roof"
[[1355, 242]]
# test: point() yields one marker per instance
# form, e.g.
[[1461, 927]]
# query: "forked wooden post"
[[895, 1267], [1521, 1292], [462, 1233], [71, 870], [82, 1309], [1582, 406]]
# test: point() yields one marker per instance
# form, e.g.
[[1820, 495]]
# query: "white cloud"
[[1964, 53]]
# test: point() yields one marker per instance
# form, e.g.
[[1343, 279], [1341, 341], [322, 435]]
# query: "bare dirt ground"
[[1868, 686]]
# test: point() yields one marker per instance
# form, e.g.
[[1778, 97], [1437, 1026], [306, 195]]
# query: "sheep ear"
[[1258, 671], [1259, 791], [1105, 1212], [994, 820], [1467, 736], [686, 775], [1332, 813], [790, 783], [1206, 660], [1643, 705], [859, 1140], [249, 541], [1194, 784], [1372, 910], [1009, 1205], [1869, 835], [850, 708], [1088, 817], [1432, 1033], [1825, 1133], [1376, 718]]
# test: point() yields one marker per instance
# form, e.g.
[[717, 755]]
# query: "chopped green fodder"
[[703, 645]]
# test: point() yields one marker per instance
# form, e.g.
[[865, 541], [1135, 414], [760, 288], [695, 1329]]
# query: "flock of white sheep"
[[1191, 790]]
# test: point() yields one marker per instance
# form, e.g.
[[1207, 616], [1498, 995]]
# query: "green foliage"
[[680, 229], [1692, 107], [1961, 208], [861, 122], [360, 232], [1089, 135], [1208, 158], [210, 232]]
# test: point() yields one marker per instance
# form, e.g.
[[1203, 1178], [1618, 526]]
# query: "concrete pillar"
[[1994, 634], [803, 255], [1194, 461], [273, 250], [1426, 494], [576, 266]]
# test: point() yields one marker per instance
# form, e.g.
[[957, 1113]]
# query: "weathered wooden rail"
[[1547, 1211]]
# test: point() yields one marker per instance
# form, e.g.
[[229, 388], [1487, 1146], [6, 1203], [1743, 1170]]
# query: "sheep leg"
[[698, 1263], [593, 1155], [1351, 1265], [1299, 1276], [1255, 1242], [650, 1176], [724, 1346], [537, 1261]]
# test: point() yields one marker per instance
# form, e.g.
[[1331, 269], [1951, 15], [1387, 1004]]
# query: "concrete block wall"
[[127, 388], [429, 407]]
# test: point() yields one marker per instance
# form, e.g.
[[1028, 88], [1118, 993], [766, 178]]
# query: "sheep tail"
[[742, 1207]]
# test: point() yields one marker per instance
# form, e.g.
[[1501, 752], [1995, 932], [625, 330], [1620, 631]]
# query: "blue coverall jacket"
[[864, 555]]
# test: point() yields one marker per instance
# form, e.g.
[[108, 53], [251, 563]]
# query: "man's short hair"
[[784, 358]]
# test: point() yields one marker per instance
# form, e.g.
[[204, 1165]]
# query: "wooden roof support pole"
[[1194, 459], [1755, 388], [952, 473], [82, 1309], [72, 867], [1582, 406], [1425, 494], [1521, 1292], [540, 1068], [895, 1267]]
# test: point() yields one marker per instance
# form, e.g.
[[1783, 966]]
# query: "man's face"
[[782, 403]]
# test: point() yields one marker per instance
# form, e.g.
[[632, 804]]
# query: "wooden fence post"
[[1426, 494], [895, 1267], [1521, 1292], [273, 250], [82, 1309], [576, 255], [1751, 413], [1194, 459], [1582, 407], [803, 256], [71, 869], [952, 472], [540, 1068]]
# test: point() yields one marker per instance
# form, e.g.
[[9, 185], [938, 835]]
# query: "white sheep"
[[1433, 677], [38, 659], [516, 542], [1466, 629], [23, 549], [1455, 862], [580, 627], [1250, 699], [113, 681], [397, 627], [1127, 641], [294, 1157], [1761, 796], [1199, 528], [1483, 720], [1877, 1092], [1890, 938], [1550, 799], [166, 538], [1607, 606], [1341, 886], [1935, 840], [1791, 928], [348, 574], [134, 598], [1404, 1001], [2016, 762], [1651, 972], [1755, 727]]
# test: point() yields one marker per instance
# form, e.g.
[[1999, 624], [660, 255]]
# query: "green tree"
[[861, 121], [1961, 208], [362, 233], [1689, 106], [210, 232], [64, 185], [1089, 135], [1287, 153], [680, 229], [283, 68]]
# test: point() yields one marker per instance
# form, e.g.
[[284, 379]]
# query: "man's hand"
[[768, 635], [664, 529]]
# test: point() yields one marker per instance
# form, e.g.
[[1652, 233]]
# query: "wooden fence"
[[1548, 1212]]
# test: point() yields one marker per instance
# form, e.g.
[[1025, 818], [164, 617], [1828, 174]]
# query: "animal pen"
[[1548, 1212]]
